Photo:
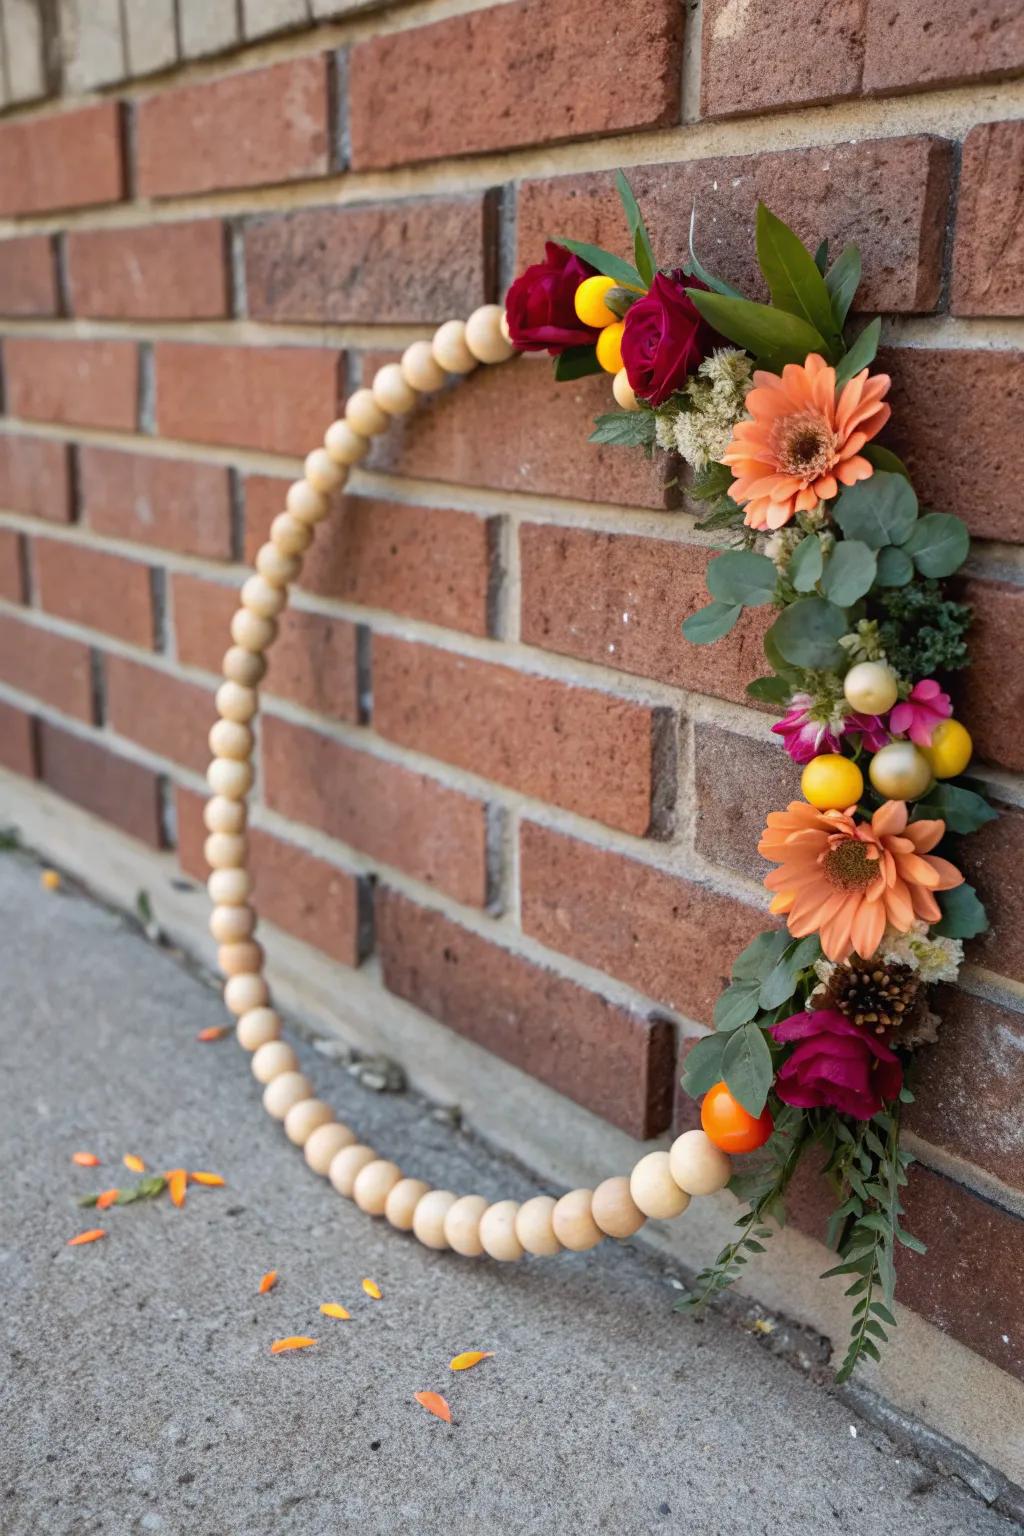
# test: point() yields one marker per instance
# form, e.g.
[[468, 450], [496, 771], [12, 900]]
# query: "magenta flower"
[[918, 715], [804, 737], [837, 1065], [870, 728]]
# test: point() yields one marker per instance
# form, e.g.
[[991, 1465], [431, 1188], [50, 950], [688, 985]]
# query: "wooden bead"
[[289, 535], [220, 815], [697, 1165], [420, 367], [258, 1027], [344, 444], [364, 415], [305, 503], [429, 1216], [534, 1227], [614, 1209], [322, 473], [373, 1185], [229, 887], [238, 959], [483, 335], [275, 566], [391, 392], [242, 666], [654, 1190], [235, 702], [450, 349], [271, 1059], [498, 1231], [245, 991], [260, 598], [225, 850], [287, 1089], [400, 1206], [252, 631], [623, 392], [228, 925], [573, 1222], [229, 739], [462, 1226], [347, 1164], [324, 1144], [303, 1118], [229, 779]]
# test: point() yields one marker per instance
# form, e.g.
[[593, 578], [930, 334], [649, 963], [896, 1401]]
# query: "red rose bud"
[[540, 304], [665, 338], [837, 1065]]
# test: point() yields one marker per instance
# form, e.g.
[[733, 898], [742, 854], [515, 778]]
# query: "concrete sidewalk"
[[139, 1393]]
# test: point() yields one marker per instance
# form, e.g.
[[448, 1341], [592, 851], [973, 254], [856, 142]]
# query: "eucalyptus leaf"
[[807, 633], [747, 1068], [702, 1067], [780, 984], [806, 564], [961, 809], [741, 576], [963, 916], [772, 335], [849, 573], [711, 623], [895, 567], [770, 690], [695, 267], [878, 511], [760, 954], [794, 281], [736, 1005], [884, 458], [938, 544], [860, 355], [576, 363], [842, 282], [604, 262]]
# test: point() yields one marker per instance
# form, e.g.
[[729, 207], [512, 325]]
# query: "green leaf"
[[576, 363], [702, 1067], [709, 624], [772, 335], [895, 568], [747, 1068], [770, 690], [806, 564], [963, 916], [604, 261], [842, 282], [780, 984], [821, 257], [910, 1241], [961, 809], [884, 458], [741, 576], [850, 572], [860, 355], [938, 544], [627, 429], [760, 954], [880, 510], [794, 282], [696, 269], [807, 633], [736, 1005], [642, 251]]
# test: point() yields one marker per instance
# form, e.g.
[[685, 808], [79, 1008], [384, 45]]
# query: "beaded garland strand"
[[662, 1183]]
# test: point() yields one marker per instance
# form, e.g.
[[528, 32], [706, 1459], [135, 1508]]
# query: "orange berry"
[[729, 1126]]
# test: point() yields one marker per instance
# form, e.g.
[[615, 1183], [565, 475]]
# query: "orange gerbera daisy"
[[847, 879], [803, 441]]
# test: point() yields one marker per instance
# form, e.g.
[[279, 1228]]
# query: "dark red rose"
[[539, 304], [837, 1065], [665, 338]]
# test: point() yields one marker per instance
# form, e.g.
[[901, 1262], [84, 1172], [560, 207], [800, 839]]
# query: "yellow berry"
[[589, 301], [831, 782], [609, 347], [951, 749], [900, 771]]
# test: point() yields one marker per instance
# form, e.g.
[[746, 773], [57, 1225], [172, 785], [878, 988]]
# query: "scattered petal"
[[468, 1358], [177, 1181], [211, 1180], [92, 1236], [333, 1309], [50, 880], [106, 1198], [268, 1282], [763, 1325], [214, 1032], [85, 1159], [373, 1289], [434, 1403], [295, 1341], [133, 1163]]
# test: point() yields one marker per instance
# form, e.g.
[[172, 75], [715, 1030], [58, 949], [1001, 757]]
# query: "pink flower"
[[918, 715], [804, 737], [871, 730], [837, 1065]]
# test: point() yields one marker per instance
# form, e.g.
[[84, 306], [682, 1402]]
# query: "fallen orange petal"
[[50, 880], [92, 1236], [469, 1358], [212, 1180], [296, 1341], [85, 1159], [268, 1282], [373, 1289], [214, 1032], [177, 1181], [433, 1402], [106, 1198], [135, 1164], [332, 1309]]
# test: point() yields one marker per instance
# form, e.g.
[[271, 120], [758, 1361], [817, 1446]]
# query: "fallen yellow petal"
[[373, 1289], [177, 1181], [211, 1180], [433, 1402], [135, 1164], [468, 1358], [332, 1309], [92, 1236], [295, 1341], [50, 880], [268, 1282]]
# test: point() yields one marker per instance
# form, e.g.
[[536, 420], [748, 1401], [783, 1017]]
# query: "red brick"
[[86, 383], [913, 45], [202, 620], [64, 160], [94, 589], [170, 503], [403, 818], [17, 740], [609, 758], [248, 129], [35, 477], [276, 399], [669, 937], [388, 263], [161, 712], [738, 780], [614, 1062], [775, 53], [11, 583], [28, 277], [428, 563], [525, 73], [111, 787], [992, 859], [988, 256], [990, 694], [49, 667], [315, 664], [315, 901], [620, 601], [955, 414], [152, 272], [888, 195], [190, 833]]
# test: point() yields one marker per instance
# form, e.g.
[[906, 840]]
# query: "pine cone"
[[882, 998]]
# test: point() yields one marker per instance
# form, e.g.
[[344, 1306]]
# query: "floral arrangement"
[[777, 413]]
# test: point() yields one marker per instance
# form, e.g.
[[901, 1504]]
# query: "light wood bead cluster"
[[662, 1183]]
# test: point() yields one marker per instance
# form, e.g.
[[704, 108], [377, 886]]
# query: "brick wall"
[[490, 771]]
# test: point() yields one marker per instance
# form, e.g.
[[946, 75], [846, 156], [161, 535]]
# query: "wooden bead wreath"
[[662, 1183]]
